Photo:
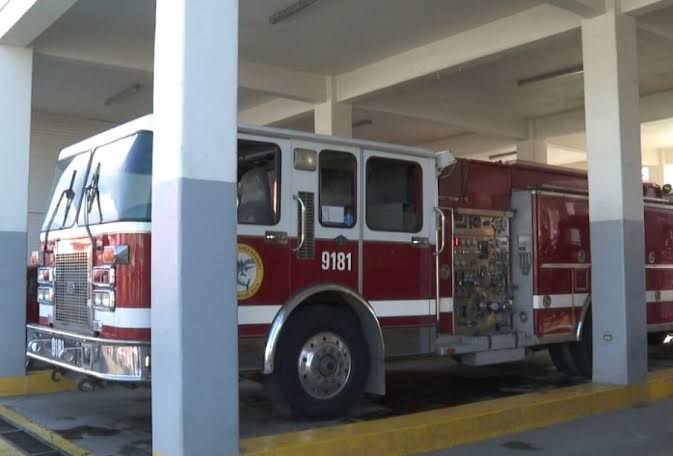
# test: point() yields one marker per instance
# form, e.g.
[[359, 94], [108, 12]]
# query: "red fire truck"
[[349, 252]]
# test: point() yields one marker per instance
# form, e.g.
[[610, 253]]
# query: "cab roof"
[[146, 123]]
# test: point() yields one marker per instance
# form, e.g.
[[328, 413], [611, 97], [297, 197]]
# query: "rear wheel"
[[656, 338], [321, 363], [561, 356], [582, 350]]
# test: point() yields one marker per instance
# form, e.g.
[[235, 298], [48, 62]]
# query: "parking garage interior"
[[581, 84]]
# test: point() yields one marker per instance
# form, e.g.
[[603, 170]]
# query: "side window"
[[337, 189], [394, 195], [258, 182]]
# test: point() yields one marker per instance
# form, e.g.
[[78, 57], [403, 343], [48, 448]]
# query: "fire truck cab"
[[349, 252]]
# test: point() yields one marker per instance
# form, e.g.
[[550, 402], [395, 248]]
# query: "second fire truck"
[[349, 252]]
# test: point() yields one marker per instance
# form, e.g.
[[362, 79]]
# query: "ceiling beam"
[[640, 7], [21, 21], [269, 79], [440, 111], [583, 8], [657, 32], [477, 44], [655, 106], [274, 111], [281, 82]]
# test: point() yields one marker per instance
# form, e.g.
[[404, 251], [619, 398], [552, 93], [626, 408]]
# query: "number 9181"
[[336, 261]]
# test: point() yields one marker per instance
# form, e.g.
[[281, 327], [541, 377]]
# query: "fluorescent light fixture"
[[502, 155], [362, 123], [289, 11], [562, 73], [123, 94]]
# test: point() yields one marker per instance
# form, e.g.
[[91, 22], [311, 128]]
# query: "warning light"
[[456, 241]]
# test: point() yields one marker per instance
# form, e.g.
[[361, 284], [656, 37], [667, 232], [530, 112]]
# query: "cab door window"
[[337, 189], [258, 183], [394, 195]]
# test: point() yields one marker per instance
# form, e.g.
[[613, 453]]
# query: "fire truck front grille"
[[71, 292]]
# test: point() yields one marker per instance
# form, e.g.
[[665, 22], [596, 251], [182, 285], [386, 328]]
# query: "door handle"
[[302, 223], [275, 237], [420, 242]]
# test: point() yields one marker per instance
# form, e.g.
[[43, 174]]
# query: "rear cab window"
[[394, 195], [338, 187]]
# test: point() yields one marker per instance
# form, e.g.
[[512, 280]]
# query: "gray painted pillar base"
[[12, 303], [194, 318], [619, 313]]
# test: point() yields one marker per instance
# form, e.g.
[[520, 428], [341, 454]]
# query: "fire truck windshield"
[[66, 213], [124, 181]]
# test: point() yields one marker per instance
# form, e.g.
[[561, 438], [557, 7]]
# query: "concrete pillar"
[[334, 119], [666, 155], [16, 68], [194, 307], [615, 198], [532, 150]]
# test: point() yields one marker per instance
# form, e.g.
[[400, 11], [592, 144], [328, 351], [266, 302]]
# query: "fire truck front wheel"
[[321, 363]]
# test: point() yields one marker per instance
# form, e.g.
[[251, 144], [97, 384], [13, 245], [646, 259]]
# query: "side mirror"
[[666, 189], [444, 159]]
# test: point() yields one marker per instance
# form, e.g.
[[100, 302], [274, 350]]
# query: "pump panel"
[[481, 265]]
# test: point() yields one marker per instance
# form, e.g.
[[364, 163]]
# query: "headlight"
[[45, 295], [104, 299], [103, 276], [45, 276]]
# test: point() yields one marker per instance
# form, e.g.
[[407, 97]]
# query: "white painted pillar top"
[[188, 38], [334, 119], [532, 150], [613, 119], [16, 69]]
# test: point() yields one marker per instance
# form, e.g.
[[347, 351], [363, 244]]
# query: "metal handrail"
[[442, 218], [302, 223]]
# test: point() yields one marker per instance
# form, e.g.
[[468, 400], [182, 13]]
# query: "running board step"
[[493, 357], [462, 345]]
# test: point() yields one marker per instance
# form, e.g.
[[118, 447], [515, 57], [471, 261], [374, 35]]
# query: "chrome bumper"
[[107, 359]]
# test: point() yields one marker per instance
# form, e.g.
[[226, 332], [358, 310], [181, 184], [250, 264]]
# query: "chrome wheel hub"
[[324, 365]]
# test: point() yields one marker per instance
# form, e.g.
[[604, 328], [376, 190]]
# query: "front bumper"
[[107, 359]]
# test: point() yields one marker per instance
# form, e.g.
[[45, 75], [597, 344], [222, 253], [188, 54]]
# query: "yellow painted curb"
[[8, 450], [48, 436], [444, 428], [38, 382]]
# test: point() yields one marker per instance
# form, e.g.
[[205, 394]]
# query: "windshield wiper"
[[92, 194], [69, 194]]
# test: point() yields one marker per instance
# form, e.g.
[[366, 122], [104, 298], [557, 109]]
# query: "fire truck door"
[[264, 220], [399, 235], [326, 216]]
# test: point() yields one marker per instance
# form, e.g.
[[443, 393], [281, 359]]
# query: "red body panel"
[[397, 271], [132, 290], [305, 273], [275, 288]]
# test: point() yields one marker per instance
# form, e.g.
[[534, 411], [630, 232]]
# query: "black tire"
[[582, 351], [656, 338], [288, 391], [561, 356]]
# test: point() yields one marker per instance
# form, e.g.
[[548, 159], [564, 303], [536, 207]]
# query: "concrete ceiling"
[[386, 127], [100, 49], [338, 36]]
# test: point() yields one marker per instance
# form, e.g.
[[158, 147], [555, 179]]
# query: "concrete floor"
[[117, 421], [645, 430]]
